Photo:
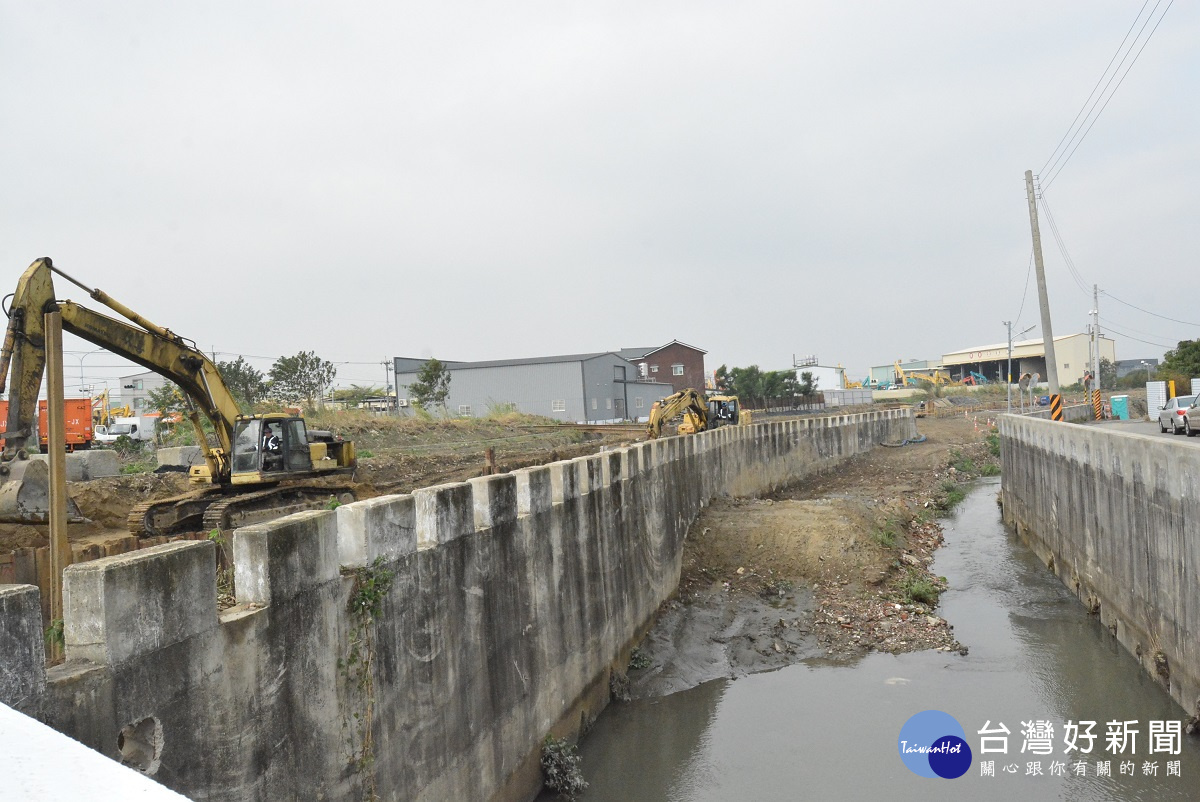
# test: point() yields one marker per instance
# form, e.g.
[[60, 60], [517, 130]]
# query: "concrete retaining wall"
[[512, 599], [1116, 517]]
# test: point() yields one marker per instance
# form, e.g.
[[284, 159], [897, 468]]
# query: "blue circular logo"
[[933, 744]]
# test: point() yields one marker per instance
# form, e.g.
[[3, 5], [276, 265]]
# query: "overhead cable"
[[1147, 311], [1082, 133]]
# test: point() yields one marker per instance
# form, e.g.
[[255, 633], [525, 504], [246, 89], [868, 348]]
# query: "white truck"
[[141, 427]]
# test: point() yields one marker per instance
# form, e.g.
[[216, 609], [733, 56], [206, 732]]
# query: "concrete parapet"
[[443, 513], [276, 561], [564, 481], [535, 492], [495, 500], [22, 654], [496, 615], [118, 608], [378, 527], [181, 456], [1114, 514]]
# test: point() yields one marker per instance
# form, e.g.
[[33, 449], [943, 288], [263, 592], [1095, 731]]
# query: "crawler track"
[[215, 508]]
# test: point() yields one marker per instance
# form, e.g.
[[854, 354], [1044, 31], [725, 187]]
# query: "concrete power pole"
[[1008, 376], [1096, 334], [1047, 331]]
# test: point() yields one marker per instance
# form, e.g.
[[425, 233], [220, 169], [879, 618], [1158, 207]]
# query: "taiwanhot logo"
[[933, 744]]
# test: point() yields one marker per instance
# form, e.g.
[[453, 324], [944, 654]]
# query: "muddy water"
[[814, 731]]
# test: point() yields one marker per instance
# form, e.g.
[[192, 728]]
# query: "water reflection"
[[817, 732]]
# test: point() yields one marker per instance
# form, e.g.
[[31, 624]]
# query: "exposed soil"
[[826, 570], [401, 455]]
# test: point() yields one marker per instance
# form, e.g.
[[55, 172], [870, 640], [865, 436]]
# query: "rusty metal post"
[[56, 446], [490, 457]]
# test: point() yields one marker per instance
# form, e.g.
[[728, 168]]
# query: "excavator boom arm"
[[152, 347], [687, 402]]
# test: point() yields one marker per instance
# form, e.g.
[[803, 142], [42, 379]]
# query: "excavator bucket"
[[25, 494]]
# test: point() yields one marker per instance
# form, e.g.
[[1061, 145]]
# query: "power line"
[[1057, 172], [1028, 272], [1147, 311], [1115, 330], [1071, 127], [1062, 247]]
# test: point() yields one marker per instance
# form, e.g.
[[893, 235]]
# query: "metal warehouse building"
[[1072, 351], [585, 388]]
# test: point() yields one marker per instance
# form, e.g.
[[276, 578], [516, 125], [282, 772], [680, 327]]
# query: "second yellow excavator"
[[699, 412], [259, 466]]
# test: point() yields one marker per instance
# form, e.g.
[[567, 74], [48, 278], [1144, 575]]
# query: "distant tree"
[[1108, 374], [301, 378], [721, 379], [808, 383], [166, 399], [355, 394], [249, 386], [1133, 379], [746, 383], [1183, 360], [432, 386]]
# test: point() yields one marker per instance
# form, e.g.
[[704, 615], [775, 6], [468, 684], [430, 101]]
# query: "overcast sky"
[[485, 181]]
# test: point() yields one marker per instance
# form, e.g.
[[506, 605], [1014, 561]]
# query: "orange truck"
[[78, 419]]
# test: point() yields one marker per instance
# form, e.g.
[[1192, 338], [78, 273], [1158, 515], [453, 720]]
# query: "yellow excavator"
[[699, 413], [256, 470]]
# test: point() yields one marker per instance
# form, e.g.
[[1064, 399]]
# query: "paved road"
[[1146, 427]]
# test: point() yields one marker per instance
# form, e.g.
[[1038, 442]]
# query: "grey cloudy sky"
[[482, 181]]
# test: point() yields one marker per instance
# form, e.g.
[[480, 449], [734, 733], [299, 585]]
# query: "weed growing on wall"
[[371, 586], [561, 767]]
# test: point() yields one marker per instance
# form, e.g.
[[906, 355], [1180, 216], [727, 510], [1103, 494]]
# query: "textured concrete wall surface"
[[410, 647], [1116, 516]]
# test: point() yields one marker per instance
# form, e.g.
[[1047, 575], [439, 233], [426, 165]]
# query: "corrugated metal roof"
[[533, 360]]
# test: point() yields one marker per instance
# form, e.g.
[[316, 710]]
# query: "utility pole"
[[387, 385], [1096, 334], [1044, 300], [1008, 376], [1010, 342]]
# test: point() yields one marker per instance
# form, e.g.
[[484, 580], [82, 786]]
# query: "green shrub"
[[991, 469], [561, 768], [951, 494], [919, 589]]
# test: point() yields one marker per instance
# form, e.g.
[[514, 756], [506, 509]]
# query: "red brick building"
[[679, 364]]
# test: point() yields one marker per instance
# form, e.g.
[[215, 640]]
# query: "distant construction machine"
[[698, 412], [260, 466]]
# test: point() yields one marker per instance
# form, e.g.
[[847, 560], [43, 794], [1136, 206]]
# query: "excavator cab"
[[269, 447]]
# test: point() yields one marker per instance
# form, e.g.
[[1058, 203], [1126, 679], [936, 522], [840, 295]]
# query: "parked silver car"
[[1171, 417]]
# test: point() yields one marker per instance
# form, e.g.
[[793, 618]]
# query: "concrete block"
[[593, 466], [443, 513], [494, 499], [630, 462], [74, 465], [22, 653], [610, 465], [534, 491], [184, 456], [118, 608], [276, 561], [582, 476], [378, 527], [564, 480], [100, 462]]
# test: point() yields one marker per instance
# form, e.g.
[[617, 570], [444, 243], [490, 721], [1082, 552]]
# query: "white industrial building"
[[1071, 351]]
